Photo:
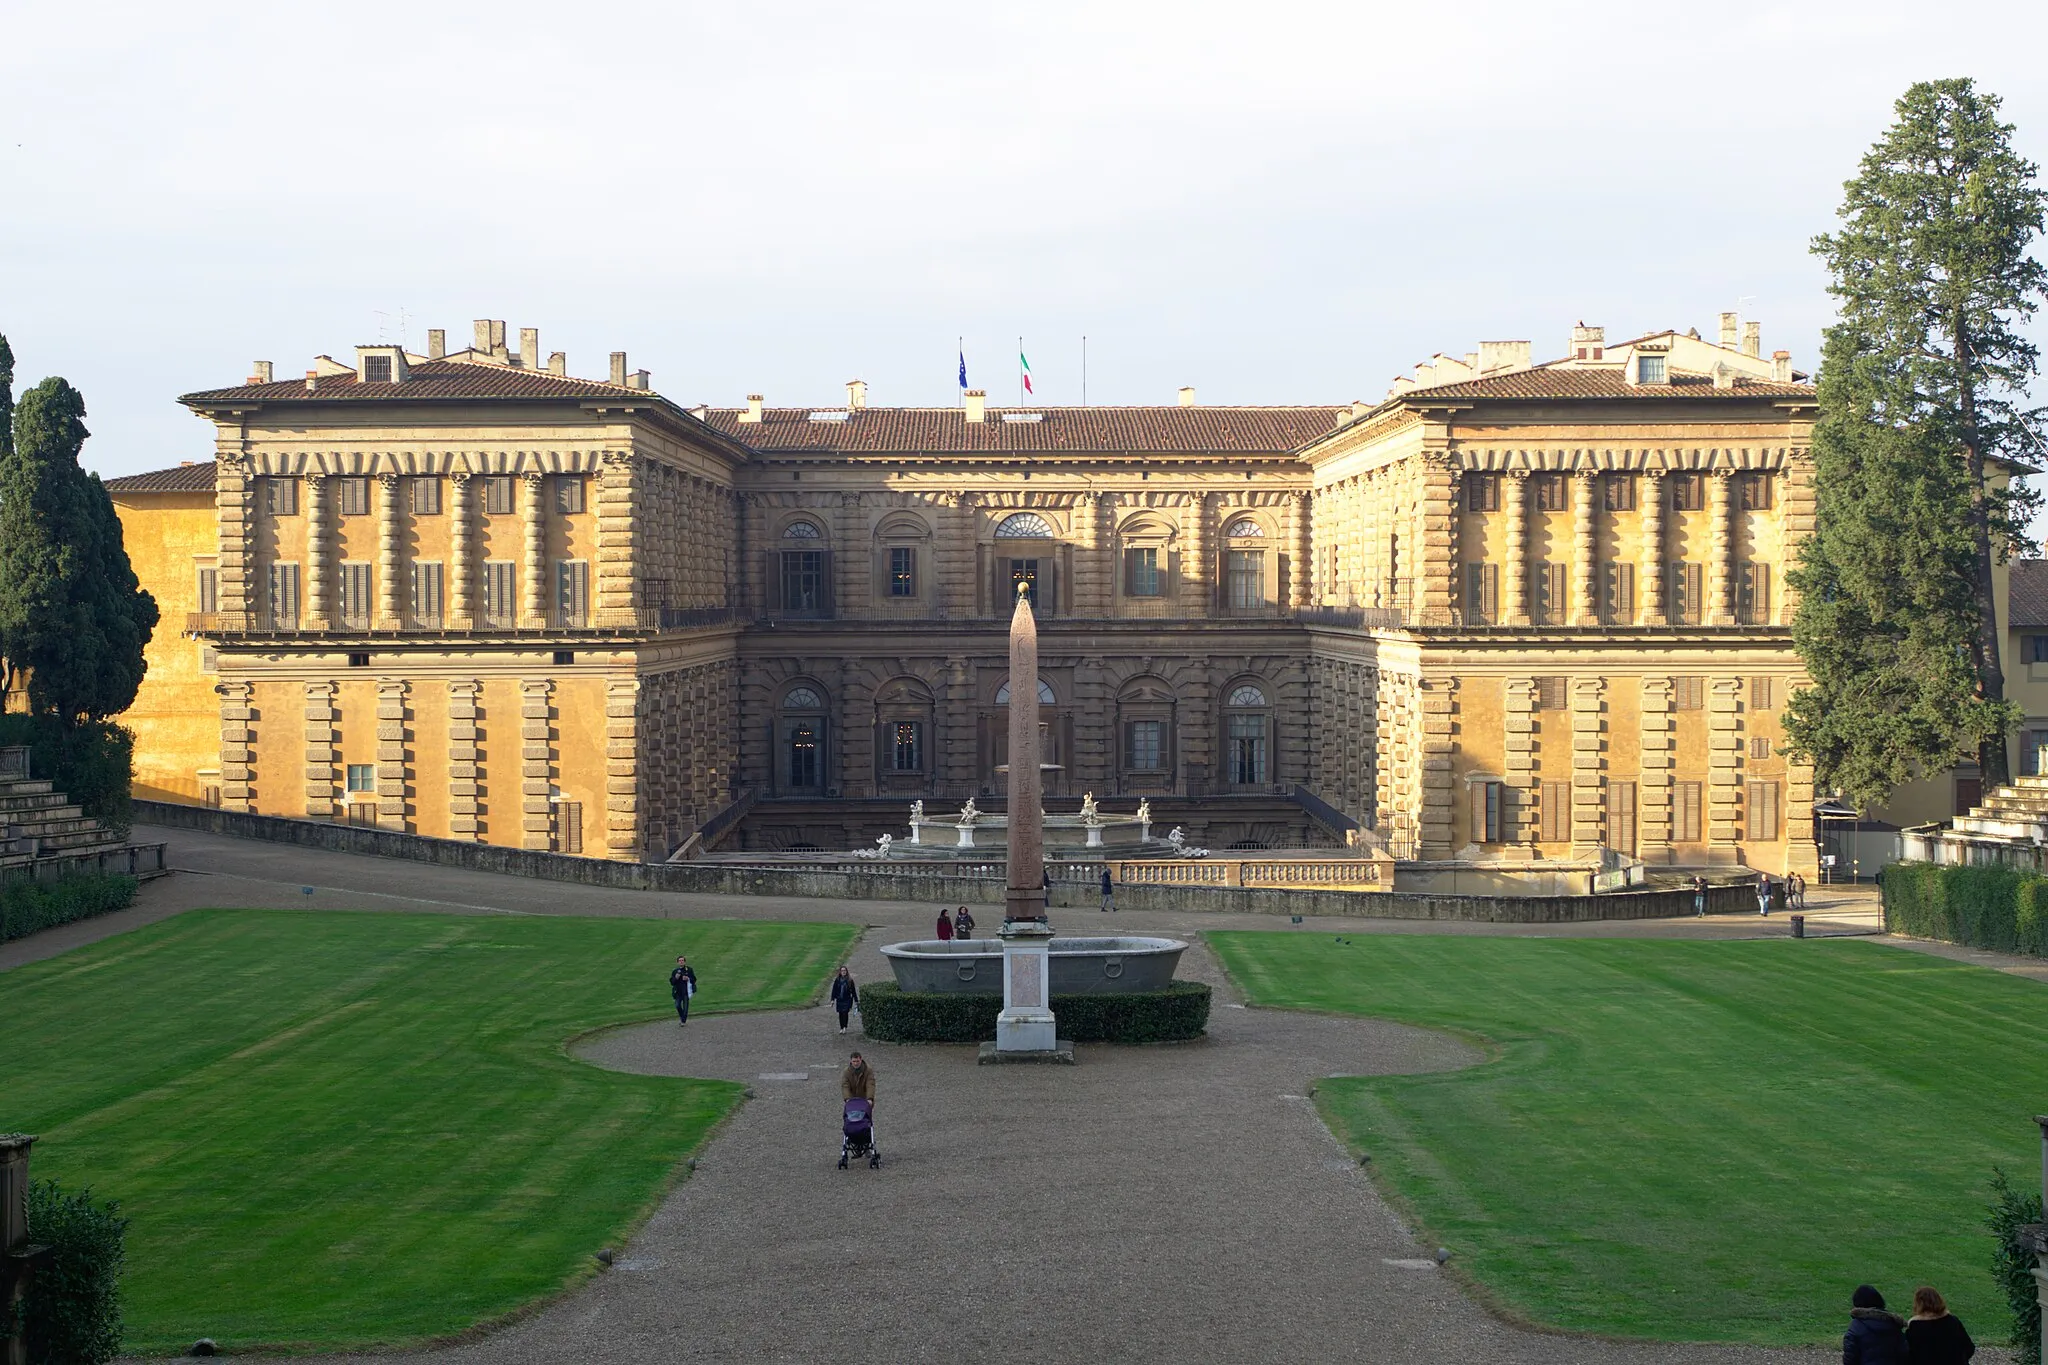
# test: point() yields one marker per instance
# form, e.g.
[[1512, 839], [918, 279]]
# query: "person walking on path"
[[845, 996], [1699, 896], [1108, 891], [1763, 895], [857, 1082], [1935, 1336], [1798, 891], [1875, 1337], [945, 927], [963, 924], [682, 984]]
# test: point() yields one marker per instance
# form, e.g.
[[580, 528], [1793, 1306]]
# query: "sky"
[[1274, 202]]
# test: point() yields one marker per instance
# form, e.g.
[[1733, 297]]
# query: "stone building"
[[1511, 612]]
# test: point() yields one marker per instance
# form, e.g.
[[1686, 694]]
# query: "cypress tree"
[[1922, 386]]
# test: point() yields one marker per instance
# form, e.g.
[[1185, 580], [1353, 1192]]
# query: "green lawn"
[[1691, 1141], [336, 1129]]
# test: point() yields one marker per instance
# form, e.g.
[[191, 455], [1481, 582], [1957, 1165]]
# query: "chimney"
[[977, 401], [529, 347], [1359, 407], [637, 380], [1588, 343], [437, 343], [1781, 366], [856, 394], [261, 373], [752, 416], [1187, 395], [480, 336], [498, 351], [1753, 339], [1503, 357], [619, 368], [312, 380], [1729, 329], [558, 363], [1724, 377]]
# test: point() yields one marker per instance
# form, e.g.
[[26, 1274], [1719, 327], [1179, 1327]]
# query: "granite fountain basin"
[[1080, 966]]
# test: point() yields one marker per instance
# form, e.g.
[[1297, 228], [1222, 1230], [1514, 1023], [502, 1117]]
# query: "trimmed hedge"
[[72, 1311], [2013, 1265], [2004, 909], [27, 906], [1176, 1014]]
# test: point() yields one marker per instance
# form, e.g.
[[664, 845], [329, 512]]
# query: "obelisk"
[[1026, 1023]]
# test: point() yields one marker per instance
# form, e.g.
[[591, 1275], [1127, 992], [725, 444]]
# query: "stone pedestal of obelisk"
[[1025, 1027]]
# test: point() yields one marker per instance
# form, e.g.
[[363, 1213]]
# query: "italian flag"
[[1024, 366]]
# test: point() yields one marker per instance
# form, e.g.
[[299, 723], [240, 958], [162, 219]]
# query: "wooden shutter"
[[1762, 799], [1478, 792], [1685, 813], [1555, 816], [1621, 817]]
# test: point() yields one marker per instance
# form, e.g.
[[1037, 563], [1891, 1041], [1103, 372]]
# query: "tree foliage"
[[73, 615], [1922, 409]]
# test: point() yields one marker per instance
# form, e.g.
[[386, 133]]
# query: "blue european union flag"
[[963, 371]]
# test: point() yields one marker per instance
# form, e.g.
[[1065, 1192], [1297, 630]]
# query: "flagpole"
[[1020, 372], [1084, 369]]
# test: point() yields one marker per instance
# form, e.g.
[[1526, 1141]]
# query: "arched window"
[[800, 573], [1045, 696], [1244, 567], [1024, 526], [1247, 727], [1245, 526], [801, 698], [801, 728], [802, 530]]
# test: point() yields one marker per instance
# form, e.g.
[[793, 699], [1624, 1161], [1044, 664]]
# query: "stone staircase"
[[2015, 812], [39, 822]]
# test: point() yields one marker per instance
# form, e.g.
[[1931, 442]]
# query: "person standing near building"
[[963, 924], [682, 984], [1108, 890], [945, 926], [845, 996], [1699, 896], [1763, 894]]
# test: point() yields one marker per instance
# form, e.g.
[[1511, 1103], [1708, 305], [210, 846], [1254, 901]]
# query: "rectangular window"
[[1753, 594], [1685, 812], [352, 497], [498, 495], [1620, 492], [1246, 737], [906, 746], [1762, 798], [1551, 495], [803, 582], [1684, 593], [1551, 693], [1621, 817], [1759, 747], [1486, 812], [1688, 492], [2032, 742], [568, 494], [1247, 572], [1763, 695], [426, 593], [1618, 591], [565, 827], [281, 497], [572, 592], [1141, 572], [1688, 694], [1554, 813], [1649, 369], [902, 571], [1482, 593], [2037, 649], [501, 592], [1550, 582], [355, 594], [424, 494], [284, 596], [362, 777], [376, 369], [1145, 745], [209, 590], [1482, 492], [1755, 492]]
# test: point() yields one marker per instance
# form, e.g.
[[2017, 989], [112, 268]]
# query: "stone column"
[[1516, 604], [854, 566], [1724, 765], [1587, 767], [465, 758], [1436, 564], [462, 550], [1721, 566], [1518, 766], [1656, 744], [237, 745], [618, 559], [536, 760], [1198, 592], [319, 603], [390, 613], [322, 742], [622, 836], [1650, 564], [1085, 597], [1438, 698], [234, 524], [392, 769], [1301, 583], [533, 597], [1585, 549], [1796, 485]]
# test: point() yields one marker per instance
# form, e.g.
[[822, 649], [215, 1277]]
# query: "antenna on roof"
[[385, 322], [1084, 369]]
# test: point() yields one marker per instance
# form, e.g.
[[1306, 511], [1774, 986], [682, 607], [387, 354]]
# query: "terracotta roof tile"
[[1560, 383], [2027, 595], [430, 380], [186, 478], [1080, 431]]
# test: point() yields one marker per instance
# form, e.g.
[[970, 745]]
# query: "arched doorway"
[[802, 728]]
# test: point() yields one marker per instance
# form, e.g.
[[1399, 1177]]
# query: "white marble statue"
[[880, 850], [916, 814], [1178, 839], [1090, 815], [969, 813], [1144, 810]]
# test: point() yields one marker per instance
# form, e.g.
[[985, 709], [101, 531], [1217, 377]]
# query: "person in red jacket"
[[945, 927]]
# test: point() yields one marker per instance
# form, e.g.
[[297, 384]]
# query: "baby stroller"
[[858, 1125]]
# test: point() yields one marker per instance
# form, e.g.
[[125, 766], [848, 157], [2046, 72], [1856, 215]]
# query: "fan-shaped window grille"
[[802, 699], [801, 530], [1045, 697], [1245, 527], [1246, 696], [1024, 526]]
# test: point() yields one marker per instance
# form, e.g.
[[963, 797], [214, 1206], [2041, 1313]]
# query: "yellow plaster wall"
[[501, 746], [280, 766], [580, 752], [427, 748], [176, 715]]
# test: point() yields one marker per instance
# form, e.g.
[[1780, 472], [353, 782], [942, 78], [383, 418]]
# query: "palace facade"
[[1513, 611]]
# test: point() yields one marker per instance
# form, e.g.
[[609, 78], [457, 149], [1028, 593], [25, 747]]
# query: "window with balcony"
[[1141, 572], [1753, 594], [1685, 592], [355, 595], [902, 571]]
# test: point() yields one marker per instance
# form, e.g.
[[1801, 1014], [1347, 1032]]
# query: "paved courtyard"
[[1178, 1202]]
